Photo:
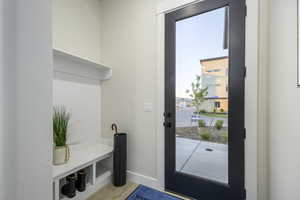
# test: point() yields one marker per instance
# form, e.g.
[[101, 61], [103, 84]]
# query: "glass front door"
[[205, 100], [202, 66]]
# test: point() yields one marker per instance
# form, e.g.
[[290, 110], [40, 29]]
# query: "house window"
[[217, 104]]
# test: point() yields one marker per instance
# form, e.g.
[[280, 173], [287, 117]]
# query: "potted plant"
[[61, 152]]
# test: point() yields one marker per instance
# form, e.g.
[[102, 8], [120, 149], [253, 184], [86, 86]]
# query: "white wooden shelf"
[[66, 64], [83, 156]]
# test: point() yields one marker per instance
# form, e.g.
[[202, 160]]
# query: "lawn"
[[221, 115]]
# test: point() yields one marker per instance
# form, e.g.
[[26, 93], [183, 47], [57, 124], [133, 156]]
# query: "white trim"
[[170, 5], [263, 160], [143, 180], [252, 100], [160, 139]]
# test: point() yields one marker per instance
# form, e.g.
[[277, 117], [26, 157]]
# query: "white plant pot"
[[61, 155]]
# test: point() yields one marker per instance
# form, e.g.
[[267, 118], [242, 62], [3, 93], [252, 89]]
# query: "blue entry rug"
[[145, 193]]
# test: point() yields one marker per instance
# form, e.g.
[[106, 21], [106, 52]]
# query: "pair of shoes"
[[69, 189], [74, 183]]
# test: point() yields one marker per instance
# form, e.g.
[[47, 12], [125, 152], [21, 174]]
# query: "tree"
[[198, 93]]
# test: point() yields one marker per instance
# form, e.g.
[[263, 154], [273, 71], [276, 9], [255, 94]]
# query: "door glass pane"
[[202, 70]]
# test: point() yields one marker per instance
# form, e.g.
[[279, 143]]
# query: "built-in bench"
[[91, 157]]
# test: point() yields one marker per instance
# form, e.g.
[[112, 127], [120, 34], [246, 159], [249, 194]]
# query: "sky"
[[197, 38]]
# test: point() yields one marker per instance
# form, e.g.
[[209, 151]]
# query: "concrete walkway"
[[193, 157]]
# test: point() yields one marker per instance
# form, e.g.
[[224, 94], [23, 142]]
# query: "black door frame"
[[190, 185]]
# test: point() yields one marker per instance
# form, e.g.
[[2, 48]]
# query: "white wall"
[[76, 27], [128, 44], [7, 99], [83, 101], [284, 98], [33, 100], [76, 30]]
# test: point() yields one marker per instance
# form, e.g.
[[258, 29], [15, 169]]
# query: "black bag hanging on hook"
[[120, 158]]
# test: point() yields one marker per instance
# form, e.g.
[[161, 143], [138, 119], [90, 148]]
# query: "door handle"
[[168, 124], [167, 114]]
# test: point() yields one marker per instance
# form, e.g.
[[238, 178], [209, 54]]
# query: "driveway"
[[193, 157]]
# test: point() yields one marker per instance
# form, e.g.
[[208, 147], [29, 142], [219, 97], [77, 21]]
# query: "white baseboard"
[[144, 180]]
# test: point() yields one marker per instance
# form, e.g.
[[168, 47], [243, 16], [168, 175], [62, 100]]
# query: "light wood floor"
[[111, 192]]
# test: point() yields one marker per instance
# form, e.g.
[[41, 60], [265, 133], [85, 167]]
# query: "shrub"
[[222, 110], [224, 136], [202, 123], [203, 111], [207, 136], [215, 110], [219, 124]]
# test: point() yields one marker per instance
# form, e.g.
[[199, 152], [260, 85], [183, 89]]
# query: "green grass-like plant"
[[201, 123], [207, 136], [224, 136], [61, 120], [219, 124]]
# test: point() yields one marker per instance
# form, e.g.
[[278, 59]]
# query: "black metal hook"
[[114, 127]]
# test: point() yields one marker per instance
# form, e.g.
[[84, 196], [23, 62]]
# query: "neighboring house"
[[215, 77], [183, 103]]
